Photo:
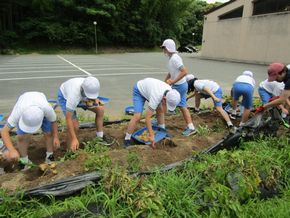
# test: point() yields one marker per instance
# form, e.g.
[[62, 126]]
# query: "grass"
[[227, 184]]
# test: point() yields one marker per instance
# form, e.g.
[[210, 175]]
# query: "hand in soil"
[[12, 155], [152, 140], [74, 145]]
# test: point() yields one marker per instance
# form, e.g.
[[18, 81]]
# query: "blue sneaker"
[[188, 132]]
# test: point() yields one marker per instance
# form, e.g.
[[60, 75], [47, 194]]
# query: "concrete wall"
[[260, 39]]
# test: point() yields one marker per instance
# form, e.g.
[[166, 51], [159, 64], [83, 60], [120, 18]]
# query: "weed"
[[203, 130], [133, 161]]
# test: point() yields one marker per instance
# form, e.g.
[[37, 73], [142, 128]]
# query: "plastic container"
[[160, 134], [129, 110], [1, 117]]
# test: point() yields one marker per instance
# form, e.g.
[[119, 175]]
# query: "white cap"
[[91, 86], [172, 99], [169, 44], [31, 119], [288, 66], [248, 73], [189, 77]]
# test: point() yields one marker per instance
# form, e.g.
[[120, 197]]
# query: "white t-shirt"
[[30, 99], [200, 84], [71, 90], [153, 90], [246, 79], [273, 87], [174, 65]]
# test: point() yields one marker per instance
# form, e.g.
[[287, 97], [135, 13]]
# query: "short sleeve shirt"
[[72, 92], [30, 99], [199, 85], [246, 79], [274, 87], [174, 65], [153, 91]]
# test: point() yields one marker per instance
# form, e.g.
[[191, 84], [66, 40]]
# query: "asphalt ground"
[[117, 74]]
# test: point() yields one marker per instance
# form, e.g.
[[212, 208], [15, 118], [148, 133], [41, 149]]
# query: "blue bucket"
[[160, 134]]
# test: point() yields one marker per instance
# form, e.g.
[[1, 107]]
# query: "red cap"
[[273, 70]]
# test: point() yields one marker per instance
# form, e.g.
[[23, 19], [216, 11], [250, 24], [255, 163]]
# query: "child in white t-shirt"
[[30, 113], [243, 86], [208, 89], [160, 96], [176, 78]]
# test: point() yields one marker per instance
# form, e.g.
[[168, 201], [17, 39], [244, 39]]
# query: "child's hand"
[[169, 81]]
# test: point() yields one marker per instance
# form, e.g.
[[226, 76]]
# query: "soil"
[[168, 150]]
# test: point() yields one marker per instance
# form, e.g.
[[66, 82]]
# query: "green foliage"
[[133, 161], [98, 158], [142, 23], [203, 130], [227, 184]]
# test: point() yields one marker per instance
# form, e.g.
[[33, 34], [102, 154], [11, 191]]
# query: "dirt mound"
[[211, 129]]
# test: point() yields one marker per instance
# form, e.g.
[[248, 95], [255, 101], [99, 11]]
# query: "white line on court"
[[93, 69], [67, 76], [74, 65]]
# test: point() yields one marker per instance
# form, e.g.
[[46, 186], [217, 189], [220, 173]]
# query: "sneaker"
[[106, 140], [233, 116], [50, 159], [127, 143], [188, 132], [232, 129]]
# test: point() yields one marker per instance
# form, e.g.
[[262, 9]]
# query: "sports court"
[[117, 74]]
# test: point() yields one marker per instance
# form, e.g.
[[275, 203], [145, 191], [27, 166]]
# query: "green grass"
[[226, 184]]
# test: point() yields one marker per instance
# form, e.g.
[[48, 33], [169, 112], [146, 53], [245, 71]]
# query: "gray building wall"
[[260, 39]]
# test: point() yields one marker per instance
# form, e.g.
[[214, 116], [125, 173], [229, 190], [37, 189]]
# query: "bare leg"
[[23, 144], [224, 114], [186, 115], [245, 115], [197, 100], [133, 122], [48, 142], [99, 118]]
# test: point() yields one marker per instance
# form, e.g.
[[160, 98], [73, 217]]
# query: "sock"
[[241, 124], [196, 109], [234, 112], [128, 136], [24, 159], [48, 154], [283, 115], [162, 125], [100, 134], [191, 126], [229, 123]]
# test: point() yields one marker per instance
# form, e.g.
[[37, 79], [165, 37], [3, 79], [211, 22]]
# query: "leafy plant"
[[203, 130], [133, 161]]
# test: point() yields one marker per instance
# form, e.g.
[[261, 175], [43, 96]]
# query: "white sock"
[[229, 123], [48, 154], [196, 109], [128, 136], [234, 112], [162, 125], [241, 124], [191, 126], [100, 134]]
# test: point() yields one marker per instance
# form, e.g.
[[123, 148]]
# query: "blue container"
[[104, 100], [53, 102], [1, 117], [160, 134], [129, 110]]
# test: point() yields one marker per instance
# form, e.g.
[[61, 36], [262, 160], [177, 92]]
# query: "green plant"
[[133, 161], [203, 130], [218, 126]]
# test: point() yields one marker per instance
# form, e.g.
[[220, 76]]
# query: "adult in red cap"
[[280, 73]]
